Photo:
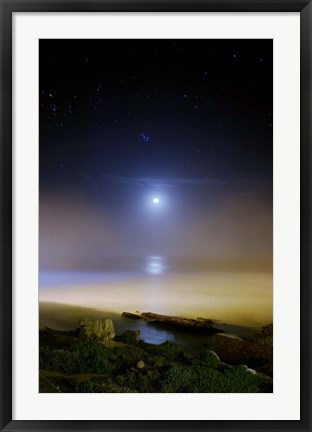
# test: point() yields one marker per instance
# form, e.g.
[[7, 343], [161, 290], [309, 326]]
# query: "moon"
[[155, 200]]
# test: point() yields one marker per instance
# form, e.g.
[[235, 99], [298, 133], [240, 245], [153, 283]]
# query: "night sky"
[[124, 121]]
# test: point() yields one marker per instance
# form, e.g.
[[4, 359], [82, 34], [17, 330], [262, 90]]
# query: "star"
[[145, 138]]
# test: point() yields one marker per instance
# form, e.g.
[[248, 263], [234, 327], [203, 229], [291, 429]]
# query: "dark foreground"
[[73, 362]]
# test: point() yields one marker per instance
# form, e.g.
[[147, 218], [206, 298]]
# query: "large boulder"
[[234, 350], [101, 328]]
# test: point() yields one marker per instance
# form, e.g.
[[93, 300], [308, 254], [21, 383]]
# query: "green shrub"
[[239, 380], [180, 379], [168, 350], [200, 379], [89, 356], [84, 357], [207, 359], [192, 379]]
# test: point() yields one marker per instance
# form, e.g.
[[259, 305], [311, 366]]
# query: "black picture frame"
[[8, 7]]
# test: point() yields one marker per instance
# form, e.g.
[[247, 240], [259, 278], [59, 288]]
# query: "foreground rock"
[[102, 328], [234, 350], [185, 323], [140, 364]]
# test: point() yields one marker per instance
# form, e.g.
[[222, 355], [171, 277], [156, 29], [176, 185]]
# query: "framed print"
[[155, 205]]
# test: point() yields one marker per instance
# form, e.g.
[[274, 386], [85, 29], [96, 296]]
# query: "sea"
[[238, 301]]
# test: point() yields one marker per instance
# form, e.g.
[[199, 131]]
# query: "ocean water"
[[240, 299]]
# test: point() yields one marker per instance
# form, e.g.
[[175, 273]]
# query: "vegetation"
[[75, 365]]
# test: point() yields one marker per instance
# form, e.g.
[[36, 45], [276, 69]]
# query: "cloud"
[[168, 182]]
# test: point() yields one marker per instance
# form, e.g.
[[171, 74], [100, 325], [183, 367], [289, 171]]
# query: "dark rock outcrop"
[[185, 323], [129, 337], [131, 315], [232, 349]]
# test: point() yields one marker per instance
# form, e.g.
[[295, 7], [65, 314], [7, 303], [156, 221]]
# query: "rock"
[[267, 330], [129, 337], [265, 380], [102, 328], [223, 365], [252, 371], [140, 364], [207, 359], [205, 320], [186, 323], [267, 340], [231, 336], [233, 349], [215, 355], [131, 315]]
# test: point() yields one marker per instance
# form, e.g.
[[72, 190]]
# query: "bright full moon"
[[156, 200]]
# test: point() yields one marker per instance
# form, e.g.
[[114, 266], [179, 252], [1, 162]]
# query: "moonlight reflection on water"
[[238, 297], [155, 265]]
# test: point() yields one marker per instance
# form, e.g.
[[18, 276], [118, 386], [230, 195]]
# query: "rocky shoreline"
[[94, 359]]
